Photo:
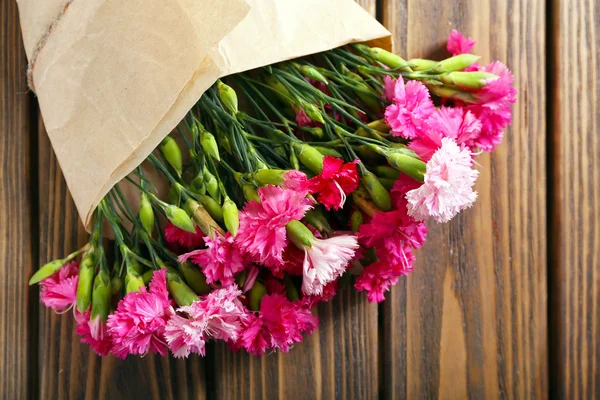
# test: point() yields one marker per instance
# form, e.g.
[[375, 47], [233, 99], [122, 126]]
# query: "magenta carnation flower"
[[379, 277], [459, 44], [138, 324], [262, 231], [219, 261], [59, 291], [93, 332], [448, 185], [412, 106]]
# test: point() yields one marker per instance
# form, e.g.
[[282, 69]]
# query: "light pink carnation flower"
[[448, 185], [412, 106], [451, 122], [459, 44], [219, 315], [219, 261], [325, 261], [59, 291], [138, 324], [262, 231]]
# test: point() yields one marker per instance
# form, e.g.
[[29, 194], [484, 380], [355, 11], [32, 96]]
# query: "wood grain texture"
[[17, 301], [68, 368], [575, 200], [471, 320]]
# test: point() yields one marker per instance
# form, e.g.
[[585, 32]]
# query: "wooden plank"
[[575, 200], [68, 368], [339, 360], [17, 302], [471, 320]]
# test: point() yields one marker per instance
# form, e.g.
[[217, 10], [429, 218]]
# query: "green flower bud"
[[470, 80], [135, 265], [421, 64], [312, 73], [310, 157], [455, 63], [209, 144], [202, 218], [387, 183], [228, 97], [386, 58], [197, 184], [267, 176], [133, 282], [313, 130], [195, 278], [87, 270], [356, 220], [182, 293], [250, 192], [146, 214], [299, 234], [316, 218], [194, 131], [116, 286], [328, 151], [179, 218], [379, 194], [101, 294], [410, 166], [147, 276], [383, 171], [172, 154], [231, 216], [294, 160], [279, 89], [255, 296], [213, 208], [312, 112], [212, 185], [452, 93], [47, 271], [174, 196]]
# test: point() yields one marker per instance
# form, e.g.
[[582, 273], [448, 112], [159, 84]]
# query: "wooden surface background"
[[504, 300]]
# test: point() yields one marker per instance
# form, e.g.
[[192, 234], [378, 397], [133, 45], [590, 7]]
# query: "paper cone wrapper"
[[114, 77]]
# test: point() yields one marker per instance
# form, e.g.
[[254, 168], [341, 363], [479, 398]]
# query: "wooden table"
[[504, 299]]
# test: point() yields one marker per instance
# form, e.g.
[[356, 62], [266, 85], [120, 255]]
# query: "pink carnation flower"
[[255, 338], [451, 122], [325, 261], [59, 291], [459, 44], [262, 231], [328, 293], [219, 315], [138, 324], [379, 277], [219, 261], [402, 185], [392, 234], [389, 87], [494, 107], [448, 185], [295, 180], [93, 332], [412, 106], [335, 182], [175, 235]]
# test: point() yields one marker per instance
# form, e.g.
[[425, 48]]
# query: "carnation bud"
[[316, 131], [255, 296], [212, 185], [455, 63], [179, 218], [195, 278], [294, 160], [47, 271], [310, 157], [328, 151], [146, 214], [133, 282], [182, 293], [197, 184], [421, 64], [87, 270], [379, 125], [202, 218], [116, 286], [228, 97], [213, 208], [469, 80], [386, 58], [379, 194], [356, 220], [209, 144], [147, 276], [279, 89], [361, 199], [312, 73], [299, 234], [410, 166], [383, 171], [312, 112], [172, 154], [231, 216], [452, 93], [101, 295], [387, 183], [194, 131], [250, 192], [273, 177]]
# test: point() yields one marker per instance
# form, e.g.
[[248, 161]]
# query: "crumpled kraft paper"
[[114, 77]]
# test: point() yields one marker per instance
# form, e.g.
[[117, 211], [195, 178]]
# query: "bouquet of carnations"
[[281, 186]]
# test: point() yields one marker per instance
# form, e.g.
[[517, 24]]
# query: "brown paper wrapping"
[[114, 77]]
